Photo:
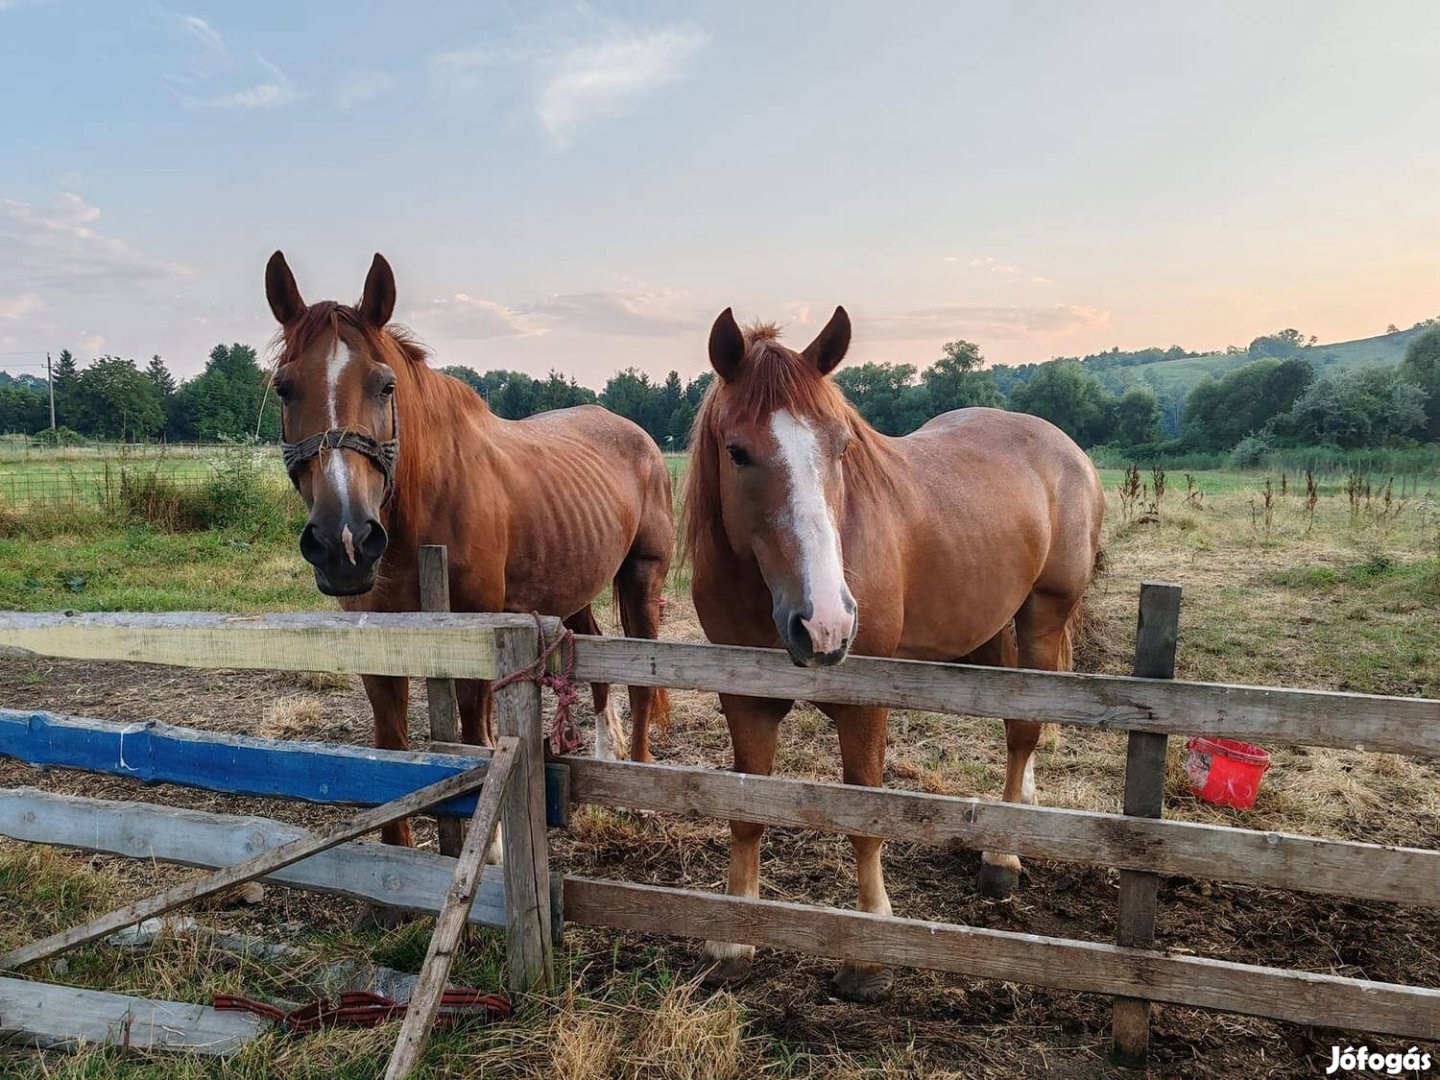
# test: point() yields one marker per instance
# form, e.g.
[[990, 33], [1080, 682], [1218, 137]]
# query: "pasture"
[[1340, 594]]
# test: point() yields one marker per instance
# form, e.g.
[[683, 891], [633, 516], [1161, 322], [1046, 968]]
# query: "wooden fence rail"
[[434, 645], [1329, 1001]]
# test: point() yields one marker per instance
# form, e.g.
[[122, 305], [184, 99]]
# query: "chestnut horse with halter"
[[808, 528], [538, 514]]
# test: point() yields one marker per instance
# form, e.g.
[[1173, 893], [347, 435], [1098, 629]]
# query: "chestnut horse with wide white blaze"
[[538, 514], [808, 528]]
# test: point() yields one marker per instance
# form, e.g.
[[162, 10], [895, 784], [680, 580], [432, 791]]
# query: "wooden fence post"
[[1156, 632], [527, 860], [440, 693]]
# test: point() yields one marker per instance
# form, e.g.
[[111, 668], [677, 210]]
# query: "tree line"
[[113, 397], [1276, 399]]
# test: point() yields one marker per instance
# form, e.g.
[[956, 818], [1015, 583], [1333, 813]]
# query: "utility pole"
[[50, 381]]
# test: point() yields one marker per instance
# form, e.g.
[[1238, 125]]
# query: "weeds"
[[1194, 493], [1130, 490]]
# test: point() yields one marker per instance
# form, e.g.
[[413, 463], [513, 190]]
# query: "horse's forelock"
[[324, 319]]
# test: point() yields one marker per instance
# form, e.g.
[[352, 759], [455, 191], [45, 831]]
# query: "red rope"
[[564, 737]]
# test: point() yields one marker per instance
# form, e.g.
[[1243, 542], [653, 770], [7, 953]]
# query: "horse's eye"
[[387, 389], [282, 391], [738, 455]]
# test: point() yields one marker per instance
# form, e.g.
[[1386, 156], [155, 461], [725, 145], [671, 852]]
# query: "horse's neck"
[[444, 433]]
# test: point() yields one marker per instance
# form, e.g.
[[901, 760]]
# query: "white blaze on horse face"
[[337, 468], [832, 611]]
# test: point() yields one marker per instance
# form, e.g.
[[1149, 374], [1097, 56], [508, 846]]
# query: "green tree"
[[160, 377], [631, 394], [1421, 367], [63, 373], [113, 399], [886, 395], [1137, 417], [1220, 412], [1369, 407], [1071, 398], [955, 381], [228, 400]]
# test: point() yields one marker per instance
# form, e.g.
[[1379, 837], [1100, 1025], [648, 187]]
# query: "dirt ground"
[[932, 1024]]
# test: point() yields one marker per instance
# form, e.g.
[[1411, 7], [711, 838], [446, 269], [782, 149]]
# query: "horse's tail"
[[659, 696]]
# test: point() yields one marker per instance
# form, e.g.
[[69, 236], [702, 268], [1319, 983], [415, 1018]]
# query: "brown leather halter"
[[383, 453]]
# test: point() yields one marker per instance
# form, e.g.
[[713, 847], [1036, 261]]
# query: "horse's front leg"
[[862, 756], [390, 699], [754, 727]]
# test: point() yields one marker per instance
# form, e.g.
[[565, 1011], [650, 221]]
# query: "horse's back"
[[1007, 503]]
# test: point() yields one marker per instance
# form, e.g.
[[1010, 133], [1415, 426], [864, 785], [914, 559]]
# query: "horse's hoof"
[[998, 882], [863, 984], [724, 974], [384, 917]]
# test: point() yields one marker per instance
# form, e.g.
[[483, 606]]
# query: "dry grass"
[[296, 717]]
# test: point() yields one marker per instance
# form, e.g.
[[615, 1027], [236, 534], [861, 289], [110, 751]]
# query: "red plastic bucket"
[[1225, 771]]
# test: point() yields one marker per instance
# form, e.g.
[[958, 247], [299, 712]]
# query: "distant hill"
[[1178, 376]]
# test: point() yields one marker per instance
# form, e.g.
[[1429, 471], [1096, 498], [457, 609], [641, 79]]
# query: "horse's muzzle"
[[795, 634], [345, 562]]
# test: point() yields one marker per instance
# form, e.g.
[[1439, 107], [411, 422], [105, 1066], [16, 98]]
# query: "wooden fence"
[[528, 899]]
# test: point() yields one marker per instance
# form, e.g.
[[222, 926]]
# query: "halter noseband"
[[384, 454]]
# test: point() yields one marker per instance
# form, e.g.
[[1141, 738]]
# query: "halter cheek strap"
[[383, 453]]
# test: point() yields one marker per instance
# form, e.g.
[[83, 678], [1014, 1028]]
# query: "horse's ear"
[[831, 344], [727, 345], [281, 290], [377, 303]]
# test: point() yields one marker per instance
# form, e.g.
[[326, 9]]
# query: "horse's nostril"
[[798, 634], [372, 540], [312, 548]]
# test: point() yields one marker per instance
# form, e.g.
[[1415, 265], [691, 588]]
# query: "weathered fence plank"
[[1107, 702], [527, 853], [429, 646], [405, 878], [435, 971], [444, 710], [1328, 1001], [460, 646], [1272, 859], [241, 764], [63, 1017], [1157, 633], [266, 862]]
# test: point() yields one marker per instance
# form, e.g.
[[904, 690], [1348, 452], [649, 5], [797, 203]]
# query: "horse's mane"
[[770, 377]]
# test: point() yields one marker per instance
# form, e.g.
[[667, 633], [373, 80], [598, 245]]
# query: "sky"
[[584, 186]]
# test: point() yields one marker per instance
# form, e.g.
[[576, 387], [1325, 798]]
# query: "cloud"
[[645, 314], [277, 90], [605, 79], [471, 318], [203, 31], [17, 307], [649, 313], [359, 87], [91, 343], [959, 320], [58, 246]]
